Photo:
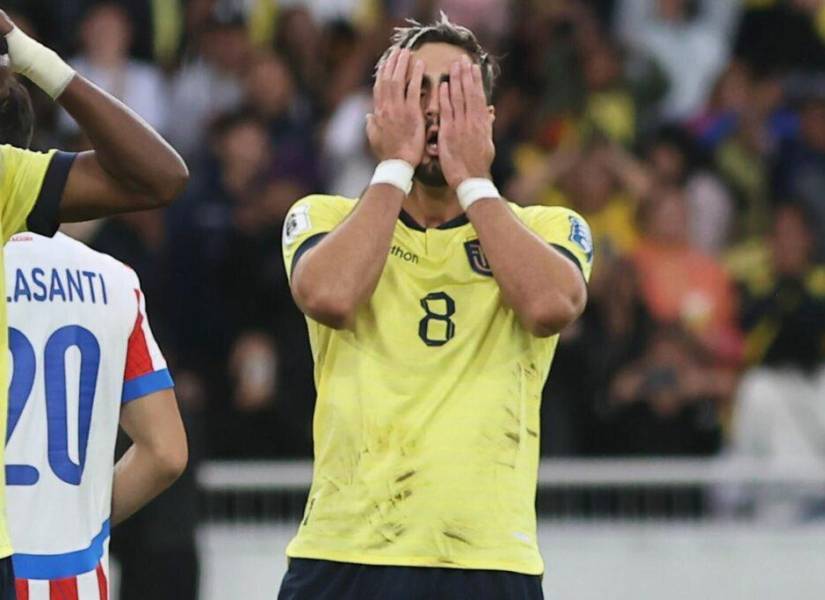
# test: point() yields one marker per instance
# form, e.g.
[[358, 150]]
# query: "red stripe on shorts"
[[102, 584], [63, 589], [21, 586]]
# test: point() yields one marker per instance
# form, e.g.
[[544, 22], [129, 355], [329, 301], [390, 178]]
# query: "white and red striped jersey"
[[81, 347]]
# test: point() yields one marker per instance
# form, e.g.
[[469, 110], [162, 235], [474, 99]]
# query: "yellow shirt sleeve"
[[308, 221], [21, 181], [566, 230]]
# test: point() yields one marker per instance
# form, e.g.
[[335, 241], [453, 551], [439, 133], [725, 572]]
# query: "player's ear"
[[492, 112]]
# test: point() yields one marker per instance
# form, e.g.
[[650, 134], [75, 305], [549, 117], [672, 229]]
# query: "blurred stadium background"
[[684, 423]]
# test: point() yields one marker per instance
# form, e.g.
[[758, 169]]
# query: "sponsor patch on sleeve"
[[580, 235], [296, 224]]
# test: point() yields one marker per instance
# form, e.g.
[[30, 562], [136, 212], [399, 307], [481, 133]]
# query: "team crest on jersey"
[[296, 223], [580, 235], [478, 261]]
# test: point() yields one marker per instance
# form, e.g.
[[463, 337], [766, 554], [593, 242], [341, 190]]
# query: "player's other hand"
[[465, 136], [6, 24], [396, 127]]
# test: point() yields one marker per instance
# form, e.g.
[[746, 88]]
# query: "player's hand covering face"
[[396, 127], [465, 138]]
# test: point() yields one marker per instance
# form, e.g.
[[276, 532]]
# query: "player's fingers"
[[456, 93], [445, 107], [401, 65], [474, 90], [416, 81], [379, 93], [389, 65], [398, 78]]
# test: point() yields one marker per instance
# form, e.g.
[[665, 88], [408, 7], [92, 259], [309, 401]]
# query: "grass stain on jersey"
[[458, 537], [405, 476]]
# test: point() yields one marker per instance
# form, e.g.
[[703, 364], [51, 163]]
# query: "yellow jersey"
[[31, 186], [426, 426]]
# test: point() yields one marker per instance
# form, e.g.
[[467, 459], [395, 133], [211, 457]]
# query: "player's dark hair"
[[444, 31], [16, 112]]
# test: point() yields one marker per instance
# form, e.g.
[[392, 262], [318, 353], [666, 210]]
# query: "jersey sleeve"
[[308, 221], [567, 232], [31, 186], [146, 370]]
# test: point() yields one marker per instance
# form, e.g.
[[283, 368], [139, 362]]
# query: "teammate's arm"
[[130, 168], [542, 285], [158, 454], [340, 273]]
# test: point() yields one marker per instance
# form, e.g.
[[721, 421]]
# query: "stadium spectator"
[[674, 159], [800, 165], [253, 357], [210, 80], [612, 333], [272, 97], [779, 406], [347, 161], [670, 31], [106, 37], [782, 35], [299, 41], [779, 413], [745, 142], [597, 181], [666, 403], [679, 283]]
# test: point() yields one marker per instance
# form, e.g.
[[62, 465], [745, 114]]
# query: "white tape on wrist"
[[38, 63], [395, 172], [472, 190]]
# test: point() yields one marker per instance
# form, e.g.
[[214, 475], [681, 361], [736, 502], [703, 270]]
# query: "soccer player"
[[130, 168], [84, 359], [433, 309]]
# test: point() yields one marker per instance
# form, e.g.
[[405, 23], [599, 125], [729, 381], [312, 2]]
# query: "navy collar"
[[407, 219]]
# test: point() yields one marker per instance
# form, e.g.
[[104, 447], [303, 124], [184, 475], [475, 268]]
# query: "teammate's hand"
[[6, 24], [465, 135], [396, 127]]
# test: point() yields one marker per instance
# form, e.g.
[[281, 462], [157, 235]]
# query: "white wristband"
[[472, 190], [396, 172], [39, 64]]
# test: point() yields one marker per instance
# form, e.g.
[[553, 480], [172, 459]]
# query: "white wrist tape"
[[472, 190], [39, 64], [396, 172]]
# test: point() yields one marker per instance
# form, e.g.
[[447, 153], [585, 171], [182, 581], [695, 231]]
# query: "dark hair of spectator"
[[801, 211], [225, 123], [677, 138], [444, 31], [16, 112], [650, 204]]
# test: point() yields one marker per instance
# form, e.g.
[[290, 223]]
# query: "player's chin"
[[429, 173]]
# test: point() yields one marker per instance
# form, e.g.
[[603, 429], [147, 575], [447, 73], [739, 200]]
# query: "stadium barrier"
[[619, 529], [568, 489]]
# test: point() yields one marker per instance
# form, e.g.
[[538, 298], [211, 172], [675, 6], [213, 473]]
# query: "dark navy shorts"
[[326, 580], [7, 580]]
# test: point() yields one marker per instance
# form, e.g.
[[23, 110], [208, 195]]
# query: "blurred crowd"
[[689, 133]]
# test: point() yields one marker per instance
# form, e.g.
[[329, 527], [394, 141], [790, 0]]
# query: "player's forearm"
[[126, 147], [140, 475], [340, 274], [541, 285]]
